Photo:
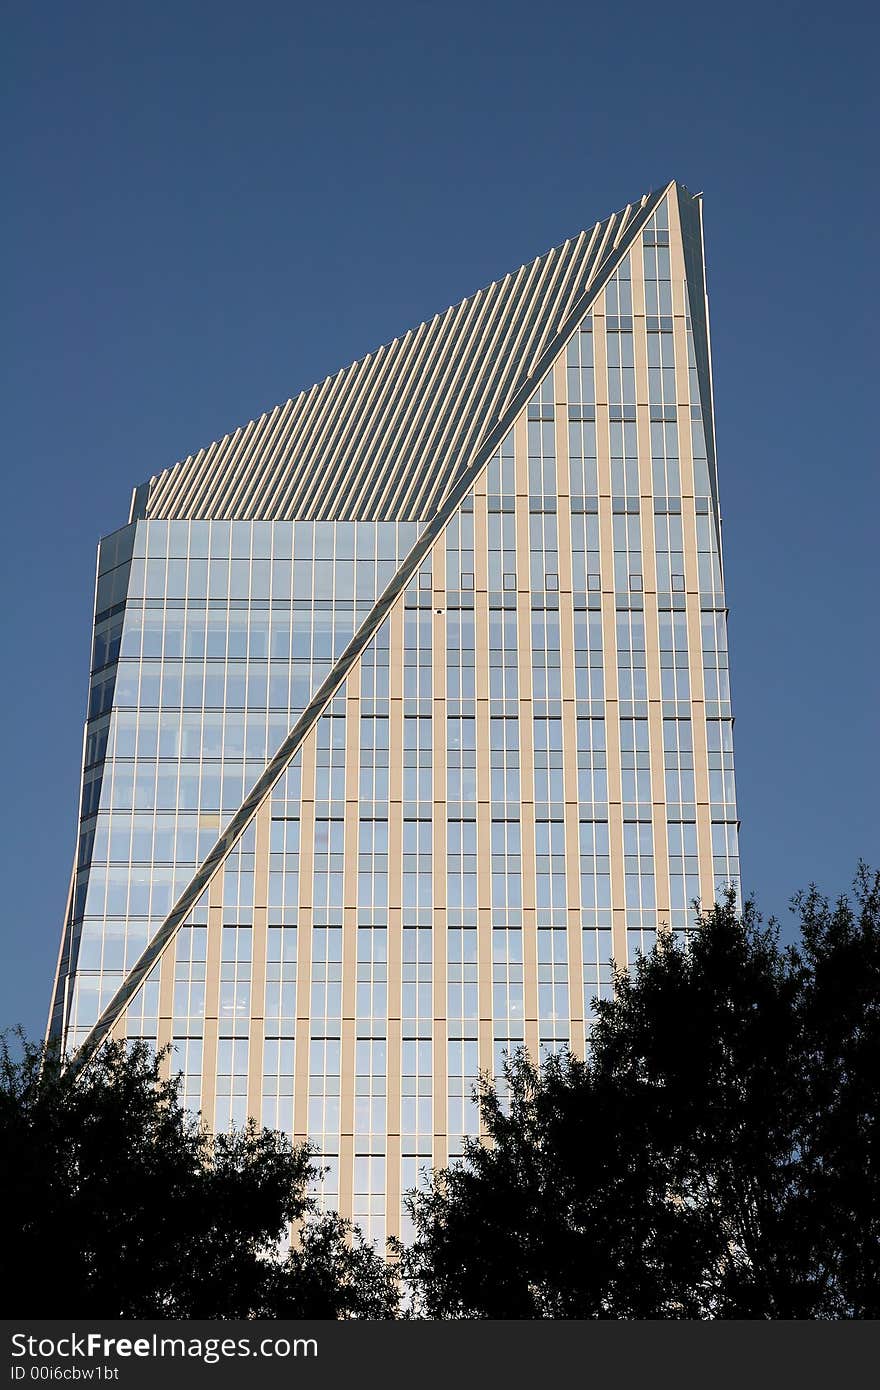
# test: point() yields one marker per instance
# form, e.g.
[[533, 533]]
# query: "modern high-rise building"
[[409, 707]]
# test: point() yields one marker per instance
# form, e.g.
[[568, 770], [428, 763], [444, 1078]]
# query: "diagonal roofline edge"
[[222, 479], [274, 769]]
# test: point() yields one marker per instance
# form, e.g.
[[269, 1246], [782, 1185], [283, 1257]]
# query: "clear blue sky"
[[210, 206]]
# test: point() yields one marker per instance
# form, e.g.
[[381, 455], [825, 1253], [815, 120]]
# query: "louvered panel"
[[387, 437], [454, 450], [323, 407], [269, 475], [581, 271], [438, 394], [299, 410], [259, 460], [415, 346], [379, 399], [418, 403], [179, 479], [510, 349], [520, 295], [315, 446], [236, 467]]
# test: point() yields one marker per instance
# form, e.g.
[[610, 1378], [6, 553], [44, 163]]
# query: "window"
[[506, 865], [507, 984], [550, 884], [553, 1006]]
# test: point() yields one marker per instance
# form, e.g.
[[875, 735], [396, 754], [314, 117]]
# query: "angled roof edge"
[[364, 635], [690, 212], [382, 438]]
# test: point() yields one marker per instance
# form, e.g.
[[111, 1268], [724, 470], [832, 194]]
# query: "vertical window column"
[[553, 1012], [462, 1022], [417, 1057], [280, 1024]]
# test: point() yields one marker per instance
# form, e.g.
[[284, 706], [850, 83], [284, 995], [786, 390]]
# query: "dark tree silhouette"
[[717, 1155], [116, 1203]]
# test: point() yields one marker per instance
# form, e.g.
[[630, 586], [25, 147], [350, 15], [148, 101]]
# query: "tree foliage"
[[715, 1156], [117, 1203]]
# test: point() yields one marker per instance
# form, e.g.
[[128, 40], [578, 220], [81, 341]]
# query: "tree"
[[841, 1059], [715, 1156], [117, 1203]]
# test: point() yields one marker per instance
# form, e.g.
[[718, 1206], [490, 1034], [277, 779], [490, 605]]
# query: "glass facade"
[[223, 632], [526, 771]]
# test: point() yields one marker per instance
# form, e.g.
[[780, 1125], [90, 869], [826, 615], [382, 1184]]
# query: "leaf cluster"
[[118, 1203], [715, 1156]]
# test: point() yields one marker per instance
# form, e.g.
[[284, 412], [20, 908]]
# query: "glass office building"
[[409, 709]]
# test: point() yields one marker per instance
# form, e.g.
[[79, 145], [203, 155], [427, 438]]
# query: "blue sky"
[[210, 206]]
